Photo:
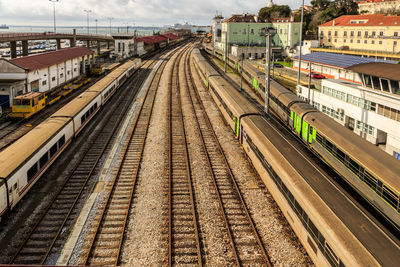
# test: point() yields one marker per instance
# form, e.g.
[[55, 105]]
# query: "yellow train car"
[[24, 106]]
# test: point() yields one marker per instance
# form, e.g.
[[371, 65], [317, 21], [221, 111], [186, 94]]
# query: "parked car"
[[317, 76], [252, 58], [277, 65]]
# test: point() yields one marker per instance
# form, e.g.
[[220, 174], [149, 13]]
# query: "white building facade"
[[41, 72], [371, 114]]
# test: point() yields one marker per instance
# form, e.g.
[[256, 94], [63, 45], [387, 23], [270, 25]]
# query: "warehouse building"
[[41, 72]]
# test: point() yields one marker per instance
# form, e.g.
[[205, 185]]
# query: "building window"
[[335, 40], [252, 31], [74, 69], [329, 40], [359, 33], [372, 42], [361, 102], [365, 128], [344, 40], [351, 40], [61, 75], [388, 112], [335, 33], [380, 42], [380, 33], [358, 41], [396, 34], [244, 31], [68, 72], [44, 83], [345, 33], [395, 43], [329, 33], [53, 79], [334, 93], [332, 113], [366, 33], [373, 33], [352, 33], [365, 41]]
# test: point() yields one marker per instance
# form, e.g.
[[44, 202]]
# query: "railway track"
[[247, 246], [183, 235], [48, 233], [108, 230]]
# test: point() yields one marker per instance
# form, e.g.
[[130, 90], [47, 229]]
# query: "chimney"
[[291, 18], [255, 18], [333, 23]]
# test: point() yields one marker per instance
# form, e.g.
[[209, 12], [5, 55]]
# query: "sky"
[[138, 12]]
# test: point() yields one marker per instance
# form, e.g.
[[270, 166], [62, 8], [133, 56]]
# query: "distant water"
[[141, 31]]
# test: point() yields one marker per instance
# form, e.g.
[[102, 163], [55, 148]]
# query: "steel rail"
[[65, 183], [175, 116], [147, 104], [191, 84]]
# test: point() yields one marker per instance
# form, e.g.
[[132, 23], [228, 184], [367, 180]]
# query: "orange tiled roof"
[[370, 20], [374, 1]]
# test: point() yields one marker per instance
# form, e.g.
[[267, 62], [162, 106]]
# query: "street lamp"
[[267, 32], [88, 11], [54, 12], [96, 20], [301, 41], [110, 19]]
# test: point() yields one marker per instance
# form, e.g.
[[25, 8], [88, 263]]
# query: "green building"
[[243, 35]]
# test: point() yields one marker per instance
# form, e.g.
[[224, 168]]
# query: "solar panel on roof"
[[339, 60]]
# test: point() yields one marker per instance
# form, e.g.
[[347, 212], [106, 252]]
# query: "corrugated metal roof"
[[48, 59], [171, 36], [154, 39], [379, 69], [338, 60]]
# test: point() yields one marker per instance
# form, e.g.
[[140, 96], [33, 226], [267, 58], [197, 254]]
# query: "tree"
[[276, 11]]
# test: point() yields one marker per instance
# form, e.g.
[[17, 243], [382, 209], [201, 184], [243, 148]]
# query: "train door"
[[236, 120], [304, 131], [13, 192]]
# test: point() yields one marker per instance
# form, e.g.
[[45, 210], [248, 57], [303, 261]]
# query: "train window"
[[95, 105], [87, 114], [83, 119], [61, 141], [340, 155], [331, 256], [15, 186], [91, 109], [390, 196], [329, 146], [354, 167], [53, 150], [32, 171], [43, 160], [320, 139], [370, 181]]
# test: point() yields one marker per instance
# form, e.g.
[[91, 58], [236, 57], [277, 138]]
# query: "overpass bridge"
[[13, 38]]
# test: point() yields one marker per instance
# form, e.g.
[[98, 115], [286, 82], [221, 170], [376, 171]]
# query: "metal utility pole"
[[54, 12], [301, 44], [226, 46], [267, 32], [96, 20], [241, 73], [110, 19], [88, 11]]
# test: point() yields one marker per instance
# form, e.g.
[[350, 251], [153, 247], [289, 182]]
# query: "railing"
[[36, 34], [356, 51]]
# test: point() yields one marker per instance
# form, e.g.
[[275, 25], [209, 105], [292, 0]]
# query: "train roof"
[[76, 105], [377, 161], [302, 108], [28, 95], [18, 152], [236, 102], [346, 221]]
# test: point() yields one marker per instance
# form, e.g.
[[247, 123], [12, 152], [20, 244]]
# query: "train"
[[23, 162], [27, 105], [331, 227], [353, 158]]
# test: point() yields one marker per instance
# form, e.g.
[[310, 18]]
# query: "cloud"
[[140, 12]]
